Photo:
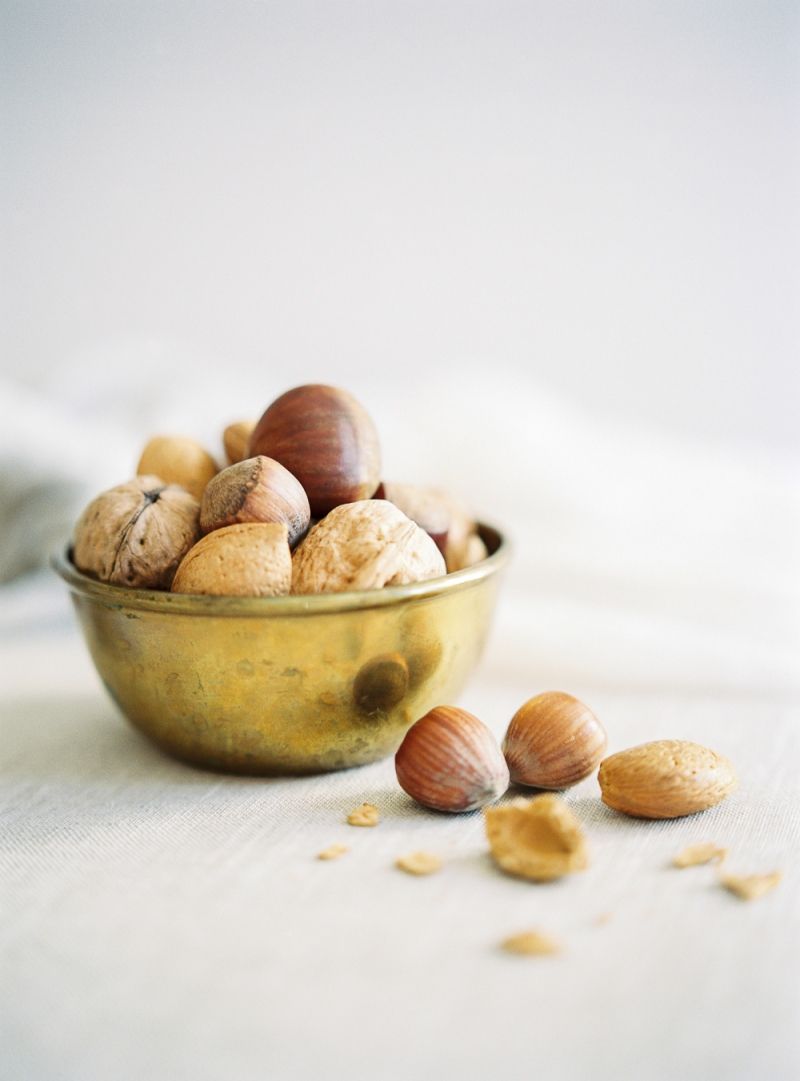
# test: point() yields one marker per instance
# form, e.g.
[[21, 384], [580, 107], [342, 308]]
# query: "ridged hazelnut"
[[178, 460], [450, 761], [251, 559], [327, 440], [553, 741], [255, 490]]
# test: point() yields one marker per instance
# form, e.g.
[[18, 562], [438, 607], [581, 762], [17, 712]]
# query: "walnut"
[[137, 533], [364, 545]]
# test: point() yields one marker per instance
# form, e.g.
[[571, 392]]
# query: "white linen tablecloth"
[[167, 923]]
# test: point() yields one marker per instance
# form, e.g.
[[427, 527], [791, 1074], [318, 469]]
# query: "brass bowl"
[[297, 684]]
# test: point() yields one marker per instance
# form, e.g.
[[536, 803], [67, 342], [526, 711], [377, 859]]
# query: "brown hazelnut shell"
[[255, 490]]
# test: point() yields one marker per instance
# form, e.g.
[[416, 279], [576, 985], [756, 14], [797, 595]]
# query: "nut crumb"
[[365, 815], [531, 944], [332, 852], [603, 919], [750, 887], [694, 855], [419, 863]]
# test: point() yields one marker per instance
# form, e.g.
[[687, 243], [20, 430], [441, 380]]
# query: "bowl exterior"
[[289, 692]]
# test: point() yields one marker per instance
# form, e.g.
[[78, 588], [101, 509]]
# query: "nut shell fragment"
[[696, 855], [531, 944], [751, 887], [137, 533], [247, 560], [667, 778], [365, 815], [539, 838], [333, 852], [364, 545], [419, 863]]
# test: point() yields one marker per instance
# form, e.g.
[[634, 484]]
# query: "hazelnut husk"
[[136, 533], [255, 490], [325, 438]]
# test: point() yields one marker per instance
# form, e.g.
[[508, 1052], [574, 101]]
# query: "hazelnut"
[[250, 559], [364, 545], [327, 440], [255, 490], [450, 761], [136, 533], [553, 741], [537, 838], [236, 440], [178, 460]]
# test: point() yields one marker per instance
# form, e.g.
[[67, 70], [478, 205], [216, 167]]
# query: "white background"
[[602, 196]]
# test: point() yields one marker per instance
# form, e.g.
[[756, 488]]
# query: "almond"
[[665, 779]]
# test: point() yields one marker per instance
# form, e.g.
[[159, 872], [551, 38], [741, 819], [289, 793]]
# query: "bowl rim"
[[196, 604]]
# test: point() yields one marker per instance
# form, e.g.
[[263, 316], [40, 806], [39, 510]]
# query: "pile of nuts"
[[450, 761], [301, 507]]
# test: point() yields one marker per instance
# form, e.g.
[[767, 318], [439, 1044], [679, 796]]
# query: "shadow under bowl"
[[298, 684]]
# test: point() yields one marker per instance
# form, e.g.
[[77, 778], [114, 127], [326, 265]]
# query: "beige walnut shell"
[[136, 533], [250, 559], [364, 545], [539, 838], [667, 778], [178, 460]]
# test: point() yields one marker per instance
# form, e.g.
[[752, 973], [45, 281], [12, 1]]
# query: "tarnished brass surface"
[[286, 684]]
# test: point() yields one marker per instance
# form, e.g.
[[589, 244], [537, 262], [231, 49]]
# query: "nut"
[[450, 761], [364, 545], [137, 533], [327, 440], [255, 490], [251, 559], [553, 741], [236, 440], [178, 460], [668, 778], [537, 838]]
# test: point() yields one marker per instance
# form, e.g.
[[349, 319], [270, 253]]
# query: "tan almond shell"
[[539, 838], [450, 761], [236, 440], [667, 778], [554, 741], [136, 533], [255, 490], [178, 460], [251, 559]]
